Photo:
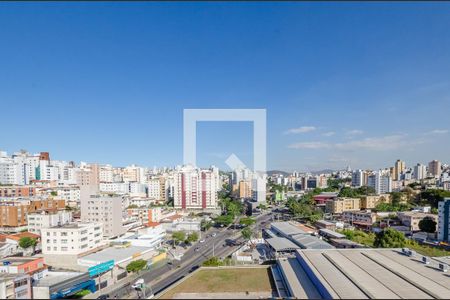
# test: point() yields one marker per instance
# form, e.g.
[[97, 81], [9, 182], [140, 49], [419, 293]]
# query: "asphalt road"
[[162, 277]]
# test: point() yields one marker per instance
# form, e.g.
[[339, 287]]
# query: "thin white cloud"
[[389, 142], [438, 131], [302, 129], [309, 145], [329, 133], [354, 132]]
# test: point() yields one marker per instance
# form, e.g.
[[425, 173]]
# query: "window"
[[63, 248]]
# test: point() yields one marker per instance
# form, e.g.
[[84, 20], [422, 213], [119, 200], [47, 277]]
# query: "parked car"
[[103, 297], [202, 241], [214, 234], [138, 283]]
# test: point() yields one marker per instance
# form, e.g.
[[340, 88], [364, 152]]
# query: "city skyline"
[[112, 89]]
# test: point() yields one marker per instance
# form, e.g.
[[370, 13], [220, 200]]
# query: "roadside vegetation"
[[391, 238]]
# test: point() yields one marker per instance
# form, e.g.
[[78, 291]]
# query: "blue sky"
[[357, 84]]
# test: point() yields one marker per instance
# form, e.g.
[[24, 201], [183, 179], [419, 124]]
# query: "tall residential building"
[[359, 178], [435, 168], [382, 183], [195, 188], [399, 167], [245, 189], [444, 220], [420, 172], [103, 209], [259, 188]]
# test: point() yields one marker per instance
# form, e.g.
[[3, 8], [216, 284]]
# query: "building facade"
[[444, 220], [105, 209], [195, 188], [71, 239]]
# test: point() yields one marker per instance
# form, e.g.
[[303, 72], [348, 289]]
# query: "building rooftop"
[[17, 260], [53, 278], [286, 228], [310, 242], [281, 244], [18, 236], [112, 253], [332, 233], [370, 274]]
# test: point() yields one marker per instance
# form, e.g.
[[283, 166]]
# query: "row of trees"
[[181, 236], [304, 208]]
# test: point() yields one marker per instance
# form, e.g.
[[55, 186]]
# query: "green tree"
[[205, 225], [247, 233], [192, 237], [224, 220], [427, 224], [178, 236], [54, 193], [389, 238], [136, 266], [247, 221], [212, 262], [433, 196], [27, 242]]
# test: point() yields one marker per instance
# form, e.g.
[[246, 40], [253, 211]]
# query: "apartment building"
[[369, 202], [435, 168], [47, 218], [411, 219], [341, 204], [382, 183], [157, 188], [420, 172], [399, 168], [17, 191], [71, 238], [15, 286], [105, 209], [195, 188], [360, 218], [359, 178], [13, 212], [444, 220], [245, 190]]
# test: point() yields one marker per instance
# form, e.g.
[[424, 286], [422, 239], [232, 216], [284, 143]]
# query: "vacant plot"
[[225, 280]]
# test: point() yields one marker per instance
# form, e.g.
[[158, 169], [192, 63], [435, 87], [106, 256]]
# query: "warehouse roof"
[[310, 242], [286, 228], [331, 234], [281, 244], [371, 273]]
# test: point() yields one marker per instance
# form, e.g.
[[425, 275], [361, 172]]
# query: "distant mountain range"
[[272, 172]]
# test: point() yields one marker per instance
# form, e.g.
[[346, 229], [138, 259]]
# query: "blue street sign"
[[101, 268]]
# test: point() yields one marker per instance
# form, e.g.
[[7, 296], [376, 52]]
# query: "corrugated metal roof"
[[281, 244]]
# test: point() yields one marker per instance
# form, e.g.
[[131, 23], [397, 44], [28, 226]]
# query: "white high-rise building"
[[382, 183], [420, 172], [358, 179], [259, 188], [195, 188]]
